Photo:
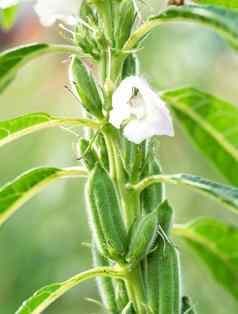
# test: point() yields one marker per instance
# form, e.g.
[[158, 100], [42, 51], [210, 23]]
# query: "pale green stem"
[[145, 183], [54, 122], [129, 199], [163, 18], [130, 204], [74, 281], [64, 49]]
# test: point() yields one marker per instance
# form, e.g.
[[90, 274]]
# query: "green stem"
[[129, 198], [64, 49], [131, 208], [74, 281], [145, 183]]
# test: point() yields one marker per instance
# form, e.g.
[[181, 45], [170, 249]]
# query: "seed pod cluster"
[[105, 215]]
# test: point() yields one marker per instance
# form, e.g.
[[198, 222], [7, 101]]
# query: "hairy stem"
[[74, 281]]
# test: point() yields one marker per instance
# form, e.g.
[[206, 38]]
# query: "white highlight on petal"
[[140, 111], [50, 11], [4, 4]]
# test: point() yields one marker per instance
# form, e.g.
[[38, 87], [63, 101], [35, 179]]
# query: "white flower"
[[50, 11], [140, 111], [4, 4]]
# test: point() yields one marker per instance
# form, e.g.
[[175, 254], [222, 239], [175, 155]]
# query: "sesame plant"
[[135, 258]]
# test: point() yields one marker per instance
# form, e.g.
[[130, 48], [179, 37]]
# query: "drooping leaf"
[[16, 128], [8, 17], [221, 20], [231, 4], [228, 195], [217, 245], [47, 295], [12, 60], [212, 125], [17, 192]]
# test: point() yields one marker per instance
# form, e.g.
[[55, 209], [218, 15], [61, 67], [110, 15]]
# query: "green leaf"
[[12, 60], [85, 87], [16, 128], [221, 20], [231, 4], [8, 17], [217, 245], [212, 125], [17, 192], [47, 295], [226, 194]]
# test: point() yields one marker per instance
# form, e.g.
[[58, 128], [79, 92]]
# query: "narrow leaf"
[[17, 192], [47, 295], [16, 128], [221, 20], [12, 60], [226, 194], [217, 245], [212, 125]]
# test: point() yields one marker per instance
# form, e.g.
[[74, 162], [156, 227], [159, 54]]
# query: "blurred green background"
[[43, 243]]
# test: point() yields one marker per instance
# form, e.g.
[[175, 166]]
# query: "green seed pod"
[[121, 294], [105, 285], [102, 151], [169, 297], [128, 309], [126, 20], [187, 307], [166, 214], [130, 66], [132, 157], [85, 87], [88, 155], [153, 195], [152, 280], [106, 216], [143, 237]]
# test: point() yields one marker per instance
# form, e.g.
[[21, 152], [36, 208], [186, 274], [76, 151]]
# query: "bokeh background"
[[44, 241]]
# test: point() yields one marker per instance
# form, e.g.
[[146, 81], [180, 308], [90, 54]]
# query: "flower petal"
[[146, 113], [4, 4], [51, 10]]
